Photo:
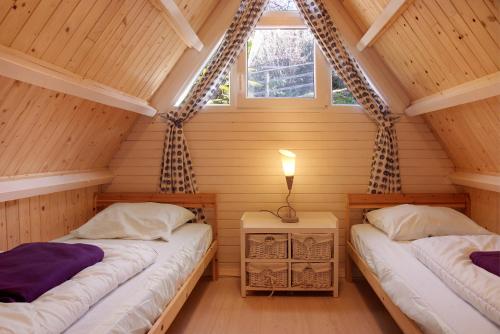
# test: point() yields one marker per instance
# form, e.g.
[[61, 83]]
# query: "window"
[[340, 92], [221, 96], [281, 5], [282, 68], [280, 64]]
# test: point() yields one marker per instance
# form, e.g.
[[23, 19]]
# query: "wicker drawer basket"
[[267, 246], [312, 246], [312, 275], [267, 275]]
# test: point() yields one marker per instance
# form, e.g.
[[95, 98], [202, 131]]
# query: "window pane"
[[281, 5], [340, 93], [280, 64], [221, 96]]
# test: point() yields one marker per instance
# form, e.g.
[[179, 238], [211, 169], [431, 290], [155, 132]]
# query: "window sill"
[[346, 108]]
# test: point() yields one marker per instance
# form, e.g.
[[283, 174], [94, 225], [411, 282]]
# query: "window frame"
[[282, 20], [323, 99]]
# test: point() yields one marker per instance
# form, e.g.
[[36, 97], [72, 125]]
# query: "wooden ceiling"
[[130, 45], [46, 131], [471, 133], [435, 44], [438, 44], [125, 44]]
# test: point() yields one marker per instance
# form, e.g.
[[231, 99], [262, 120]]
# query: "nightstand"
[[277, 256]]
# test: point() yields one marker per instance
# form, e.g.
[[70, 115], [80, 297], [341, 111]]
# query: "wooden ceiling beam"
[[475, 90], [17, 187], [372, 64], [188, 65], [478, 181], [390, 13], [22, 67], [178, 22]]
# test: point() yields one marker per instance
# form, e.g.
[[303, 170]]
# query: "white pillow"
[[142, 221], [410, 222]]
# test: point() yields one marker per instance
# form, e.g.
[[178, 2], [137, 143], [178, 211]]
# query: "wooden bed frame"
[[368, 201], [168, 315]]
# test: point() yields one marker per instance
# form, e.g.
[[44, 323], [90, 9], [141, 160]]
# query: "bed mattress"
[[420, 294], [135, 305]]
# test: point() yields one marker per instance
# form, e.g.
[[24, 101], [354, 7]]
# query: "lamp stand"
[[291, 215]]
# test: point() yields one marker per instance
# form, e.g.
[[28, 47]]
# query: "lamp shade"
[[288, 162]]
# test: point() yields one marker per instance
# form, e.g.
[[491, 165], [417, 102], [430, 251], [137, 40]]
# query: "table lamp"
[[288, 163]]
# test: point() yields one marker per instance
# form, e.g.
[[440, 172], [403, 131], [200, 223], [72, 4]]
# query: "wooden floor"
[[216, 307]]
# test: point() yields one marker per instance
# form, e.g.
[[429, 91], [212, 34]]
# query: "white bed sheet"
[[414, 288], [135, 305]]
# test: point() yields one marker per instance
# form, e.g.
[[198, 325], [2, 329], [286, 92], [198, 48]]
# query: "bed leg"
[[215, 273], [348, 269]]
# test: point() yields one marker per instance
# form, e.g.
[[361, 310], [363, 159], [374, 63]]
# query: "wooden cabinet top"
[[255, 221]]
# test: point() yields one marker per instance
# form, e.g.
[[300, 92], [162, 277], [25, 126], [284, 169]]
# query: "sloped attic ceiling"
[[438, 44], [127, 45]]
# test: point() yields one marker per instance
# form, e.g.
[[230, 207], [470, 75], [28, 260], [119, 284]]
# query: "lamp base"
[[289, 219]]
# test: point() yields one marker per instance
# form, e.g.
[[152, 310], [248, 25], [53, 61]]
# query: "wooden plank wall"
[[43, 218], [46, 131], [437, 44], [235, 155], [485, 208], [126, 44], [471, 134]]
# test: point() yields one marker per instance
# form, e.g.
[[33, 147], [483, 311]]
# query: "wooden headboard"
[[191, 201], [459, 202]]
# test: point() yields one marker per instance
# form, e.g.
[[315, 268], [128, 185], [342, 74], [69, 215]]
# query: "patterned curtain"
[[385, 177], [177, 171]]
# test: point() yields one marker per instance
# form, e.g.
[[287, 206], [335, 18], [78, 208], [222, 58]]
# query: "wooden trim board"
[[18, 187], [19, 66], [390, 13], [479, 181], [475, 90]]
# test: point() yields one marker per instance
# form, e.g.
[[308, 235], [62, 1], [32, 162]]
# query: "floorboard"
[[217, 308]]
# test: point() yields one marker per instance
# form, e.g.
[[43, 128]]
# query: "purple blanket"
[[489, 261], [31, 269]]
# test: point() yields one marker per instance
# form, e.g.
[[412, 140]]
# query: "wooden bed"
[[203, 201], [459, 202]]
